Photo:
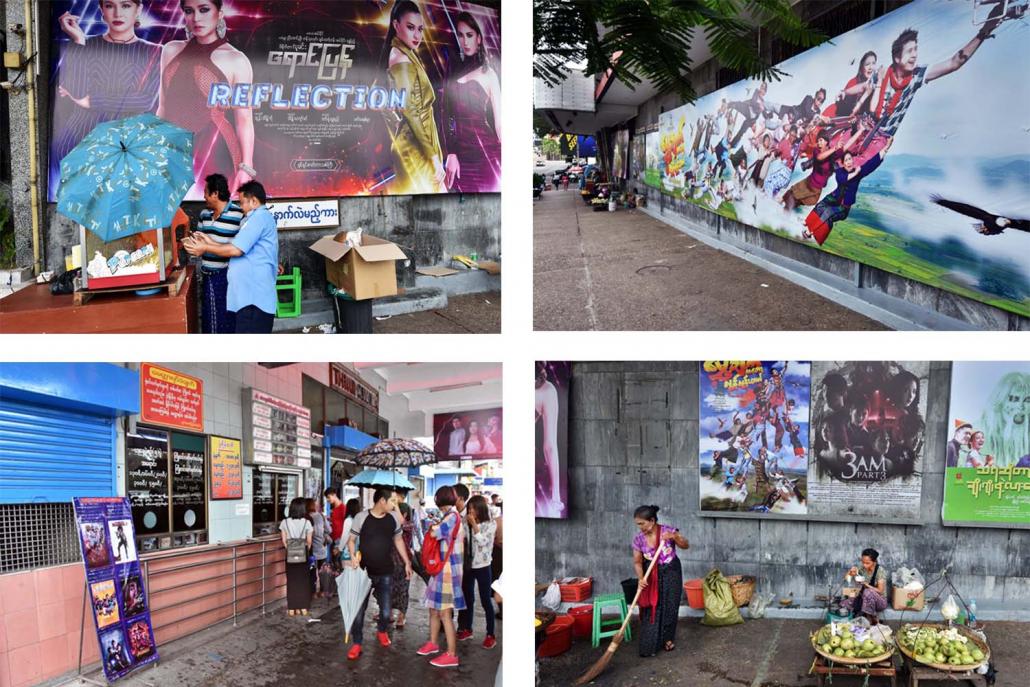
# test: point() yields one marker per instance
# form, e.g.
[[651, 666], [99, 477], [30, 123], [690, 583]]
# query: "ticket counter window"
[[272, 495]]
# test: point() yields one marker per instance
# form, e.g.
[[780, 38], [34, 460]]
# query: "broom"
[[606, 658]]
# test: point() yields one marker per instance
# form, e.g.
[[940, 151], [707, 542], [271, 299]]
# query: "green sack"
[[719, 607]]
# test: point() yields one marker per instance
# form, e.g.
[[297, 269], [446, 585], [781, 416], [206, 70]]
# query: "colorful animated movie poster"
[[105, 602], [754, 436], [308, 96], [987, 459], [469, 434], [868, 426], [902, 144], [653, 166], [552, 438], [120, 610], [620, 153]]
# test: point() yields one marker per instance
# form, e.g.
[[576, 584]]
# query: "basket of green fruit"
[[943, 647], [851, 644]]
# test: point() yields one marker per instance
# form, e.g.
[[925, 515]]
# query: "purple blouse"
[[641, 544]]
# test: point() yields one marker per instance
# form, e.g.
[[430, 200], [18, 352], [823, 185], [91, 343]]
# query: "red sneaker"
[[464, 634], [445, 661], [354, 653], [489, 642], [384, 639], [427, 649]]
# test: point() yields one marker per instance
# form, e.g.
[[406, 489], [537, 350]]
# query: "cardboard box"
[[366, 271], [904, 599]]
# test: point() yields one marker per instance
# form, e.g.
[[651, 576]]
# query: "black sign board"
[[146, 467], [189, 506]]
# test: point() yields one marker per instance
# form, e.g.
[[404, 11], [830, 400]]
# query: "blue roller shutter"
[[50, 454]]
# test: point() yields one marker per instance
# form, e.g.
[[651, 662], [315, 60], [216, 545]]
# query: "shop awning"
[[97, 388], [341, 436]]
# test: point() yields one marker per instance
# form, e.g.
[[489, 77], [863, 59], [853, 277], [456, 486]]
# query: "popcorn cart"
[[147, 258]]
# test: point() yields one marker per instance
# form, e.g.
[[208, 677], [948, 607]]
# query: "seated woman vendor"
[[871, 580]]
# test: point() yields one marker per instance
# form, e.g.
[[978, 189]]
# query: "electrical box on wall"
[[14, 60]]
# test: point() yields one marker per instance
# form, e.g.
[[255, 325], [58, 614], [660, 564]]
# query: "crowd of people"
[[386, 541]]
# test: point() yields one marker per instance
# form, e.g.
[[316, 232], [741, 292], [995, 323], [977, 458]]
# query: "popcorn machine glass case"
[[148, 257]]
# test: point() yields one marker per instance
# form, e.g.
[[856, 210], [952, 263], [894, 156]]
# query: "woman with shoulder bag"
[[297, 531], [443, 593]]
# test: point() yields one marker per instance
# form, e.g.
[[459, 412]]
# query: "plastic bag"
[[353, 238], [949, 609], [756, 607], [720, 610], [552, 598], [908, 578]]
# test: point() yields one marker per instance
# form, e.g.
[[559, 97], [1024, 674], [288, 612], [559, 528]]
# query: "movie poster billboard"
[[620, 153], [653, 166], [369, 98], [637, 158], [901, 144], [987, 459], [117, 596], [867, 432], [753, 448], [552, 438], [469, 434]]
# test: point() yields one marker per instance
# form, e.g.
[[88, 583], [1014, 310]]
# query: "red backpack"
[[432, 561]]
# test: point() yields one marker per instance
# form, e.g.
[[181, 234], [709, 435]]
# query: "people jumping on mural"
[[989, 224], [808, 190], [852, 98], [836, 206]]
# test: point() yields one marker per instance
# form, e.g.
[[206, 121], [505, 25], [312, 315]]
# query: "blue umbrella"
[[127, 176], [380, 478]]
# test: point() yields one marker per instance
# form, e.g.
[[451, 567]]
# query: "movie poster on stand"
[[987, 459], [653, 166], [310, 96], [637, 157], [754, 436], [118, 598], [552, 438], [620, 153], [867, 434], [930, 102]]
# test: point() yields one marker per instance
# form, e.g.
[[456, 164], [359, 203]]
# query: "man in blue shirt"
[[253, 262]]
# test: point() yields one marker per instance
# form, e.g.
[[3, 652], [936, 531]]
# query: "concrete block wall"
[[633, 441]]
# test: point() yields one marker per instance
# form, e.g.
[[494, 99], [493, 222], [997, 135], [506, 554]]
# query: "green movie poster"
[[987, 460]]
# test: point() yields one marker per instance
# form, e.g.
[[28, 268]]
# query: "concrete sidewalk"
[[759, 653], [280, 651], [625, 271]]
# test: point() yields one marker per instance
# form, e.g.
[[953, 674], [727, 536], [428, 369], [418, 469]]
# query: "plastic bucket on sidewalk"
[[695, 594], [582, 620], [558, 637], [629, 589]]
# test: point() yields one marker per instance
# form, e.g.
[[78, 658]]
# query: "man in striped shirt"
[[220, 221]]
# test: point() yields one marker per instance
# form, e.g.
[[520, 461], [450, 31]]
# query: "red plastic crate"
[[577, 589], [558, 637]]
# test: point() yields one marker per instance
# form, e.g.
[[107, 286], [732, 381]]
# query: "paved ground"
[[759, 653], [625, 271], [277, 650], [477, 313]]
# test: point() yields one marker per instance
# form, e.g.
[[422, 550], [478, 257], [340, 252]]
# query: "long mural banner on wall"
[[987, 459], [754, 436], [317, 99], [867, 431], [118, 597], [902, 145], [552, 438]]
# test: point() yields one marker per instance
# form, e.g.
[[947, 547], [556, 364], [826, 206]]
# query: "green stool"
[[602, 628], [291, 284]]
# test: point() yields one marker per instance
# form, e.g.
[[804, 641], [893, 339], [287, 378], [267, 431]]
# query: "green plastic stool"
[[601, 627], [291, 284]]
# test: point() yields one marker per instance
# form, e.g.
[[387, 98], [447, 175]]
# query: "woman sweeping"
[[660, 594]]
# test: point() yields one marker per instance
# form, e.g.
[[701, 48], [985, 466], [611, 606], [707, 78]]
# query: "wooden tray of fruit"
[[842, 647], [954, 649]]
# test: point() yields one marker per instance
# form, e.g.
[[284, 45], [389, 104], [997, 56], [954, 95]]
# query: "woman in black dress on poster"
[[102, 78]]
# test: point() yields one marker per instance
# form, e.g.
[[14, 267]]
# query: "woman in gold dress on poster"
[[417, 157]]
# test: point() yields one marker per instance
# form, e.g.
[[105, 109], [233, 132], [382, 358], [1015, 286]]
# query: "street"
[[279, 650], [625, 271], [759, 653]]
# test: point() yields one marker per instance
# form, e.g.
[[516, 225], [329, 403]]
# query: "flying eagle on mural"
[[989, 224]]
